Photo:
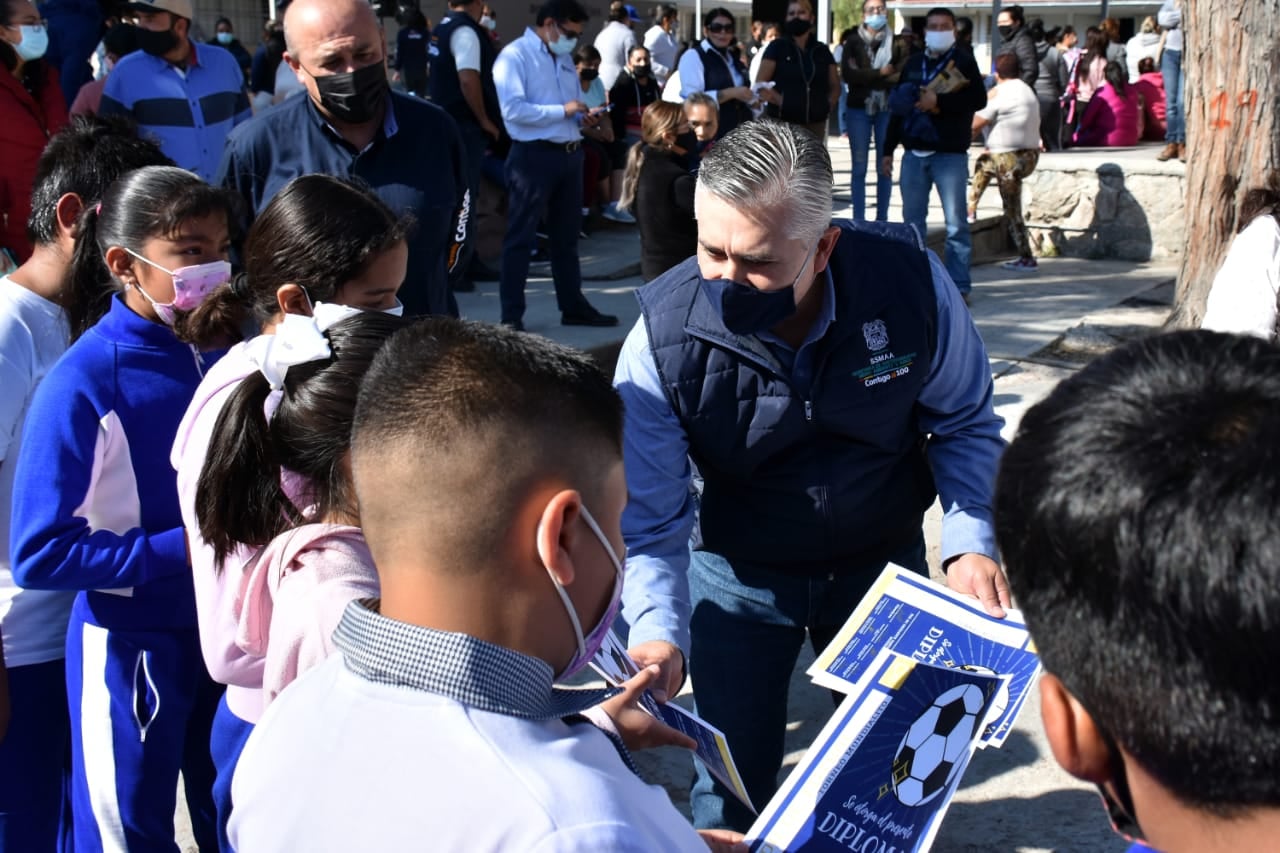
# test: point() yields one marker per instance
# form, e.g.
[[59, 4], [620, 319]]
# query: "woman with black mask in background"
[[658, 190], [803, 71]]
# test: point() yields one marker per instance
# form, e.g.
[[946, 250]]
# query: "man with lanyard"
[[938, 148], [661, 41], [351, 123], [541, 102], [461, 82], [821, 378], [186, 96], [712, 68]]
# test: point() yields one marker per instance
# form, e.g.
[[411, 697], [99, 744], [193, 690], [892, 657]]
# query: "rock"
[[1081, 205]]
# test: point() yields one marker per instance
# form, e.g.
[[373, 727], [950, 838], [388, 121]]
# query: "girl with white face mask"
[[32, 109]]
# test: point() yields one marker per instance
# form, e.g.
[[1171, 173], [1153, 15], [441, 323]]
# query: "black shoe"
[[516, 325], [464, 287], [591, 317], [481, 272]]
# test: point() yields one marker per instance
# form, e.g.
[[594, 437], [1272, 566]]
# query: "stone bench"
[[1106, 203]]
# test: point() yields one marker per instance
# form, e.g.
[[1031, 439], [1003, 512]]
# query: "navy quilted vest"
[[807, 480]]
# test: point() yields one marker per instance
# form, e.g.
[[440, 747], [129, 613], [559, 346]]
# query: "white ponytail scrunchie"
[[297, 340]]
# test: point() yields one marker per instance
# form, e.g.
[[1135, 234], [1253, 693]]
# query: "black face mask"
[[689, 142], [589, 74], [156, 43], [639, 71], [797, 27], [353, 96], [1006, 31]]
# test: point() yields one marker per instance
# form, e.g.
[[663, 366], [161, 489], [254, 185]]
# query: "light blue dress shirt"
[[533, 86], [954, 407]]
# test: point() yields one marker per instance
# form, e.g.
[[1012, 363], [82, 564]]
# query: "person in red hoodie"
[[32, 109]]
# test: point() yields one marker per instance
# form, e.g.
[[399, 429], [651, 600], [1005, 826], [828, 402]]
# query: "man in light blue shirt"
[[542, 108], [826, 383]]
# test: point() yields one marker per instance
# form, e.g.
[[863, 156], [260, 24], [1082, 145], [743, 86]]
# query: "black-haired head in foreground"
[[1138, 512]]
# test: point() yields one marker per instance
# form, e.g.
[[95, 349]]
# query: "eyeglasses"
[[569, 33], [874, 10], [720, 28]]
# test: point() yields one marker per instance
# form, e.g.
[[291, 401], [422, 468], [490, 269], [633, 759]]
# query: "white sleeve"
[[691, 79], [1242, 299], [465, 48]]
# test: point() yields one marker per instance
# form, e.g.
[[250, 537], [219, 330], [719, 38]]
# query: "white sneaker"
[[613, 214]]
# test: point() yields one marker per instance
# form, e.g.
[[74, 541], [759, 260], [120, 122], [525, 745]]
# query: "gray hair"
[[772, 166]]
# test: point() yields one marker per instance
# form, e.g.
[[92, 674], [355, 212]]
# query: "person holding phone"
[[544, 113]]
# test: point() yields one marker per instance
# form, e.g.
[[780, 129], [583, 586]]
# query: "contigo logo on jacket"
[[883, 366]]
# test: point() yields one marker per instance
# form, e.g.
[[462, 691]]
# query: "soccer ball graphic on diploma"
[[934, 745]]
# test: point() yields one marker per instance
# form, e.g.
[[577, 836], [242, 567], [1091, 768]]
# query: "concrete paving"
[[1038, 329]]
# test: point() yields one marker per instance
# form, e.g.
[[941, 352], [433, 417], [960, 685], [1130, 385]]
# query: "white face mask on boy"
[[589, 645]]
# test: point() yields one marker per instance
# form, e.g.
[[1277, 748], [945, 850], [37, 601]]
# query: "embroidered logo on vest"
[[876, 335]]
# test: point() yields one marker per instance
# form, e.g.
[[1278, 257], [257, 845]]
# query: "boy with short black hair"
[[488, 468], [1138, 512]]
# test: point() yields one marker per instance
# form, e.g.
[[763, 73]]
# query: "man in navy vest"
[[826, 382]]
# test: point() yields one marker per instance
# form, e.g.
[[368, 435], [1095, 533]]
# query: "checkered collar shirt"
[[459, 667]]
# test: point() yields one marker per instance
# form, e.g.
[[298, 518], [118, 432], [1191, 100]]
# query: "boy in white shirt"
[[488, 469]]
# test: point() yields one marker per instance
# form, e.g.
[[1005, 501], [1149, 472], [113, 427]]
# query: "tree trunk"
[[1230, 58]]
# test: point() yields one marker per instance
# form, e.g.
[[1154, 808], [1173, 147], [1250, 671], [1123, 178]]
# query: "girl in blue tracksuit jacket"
[[96, 510]]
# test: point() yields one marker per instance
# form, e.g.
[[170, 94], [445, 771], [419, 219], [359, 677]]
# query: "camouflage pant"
[[1008, 168]]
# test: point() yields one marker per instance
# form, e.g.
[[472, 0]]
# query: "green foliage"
[[845, 14]]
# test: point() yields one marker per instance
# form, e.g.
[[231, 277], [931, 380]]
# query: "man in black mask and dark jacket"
[[351, 123], [1015, 38]]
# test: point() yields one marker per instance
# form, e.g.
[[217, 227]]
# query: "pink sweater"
[[293, 594], [218, 601], [1111, 120]]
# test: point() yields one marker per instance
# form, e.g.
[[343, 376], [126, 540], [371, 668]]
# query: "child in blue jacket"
[[96, 510]]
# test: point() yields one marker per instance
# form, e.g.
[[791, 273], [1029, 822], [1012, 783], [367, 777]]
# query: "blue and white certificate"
[[927, 622], [615, 666], [883, 770]]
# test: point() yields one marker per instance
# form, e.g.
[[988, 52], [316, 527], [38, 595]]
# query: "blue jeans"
[[1175, 90], [747, 628], [861, 126], [950, 174], [542, 180]]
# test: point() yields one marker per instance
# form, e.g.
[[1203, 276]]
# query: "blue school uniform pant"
[[141, 706], [225, 745], [35, 761]]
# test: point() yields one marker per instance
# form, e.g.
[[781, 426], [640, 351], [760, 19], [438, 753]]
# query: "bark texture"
[[1231, 59]]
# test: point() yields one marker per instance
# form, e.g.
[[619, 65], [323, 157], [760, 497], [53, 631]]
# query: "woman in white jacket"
[[1244, 292]]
